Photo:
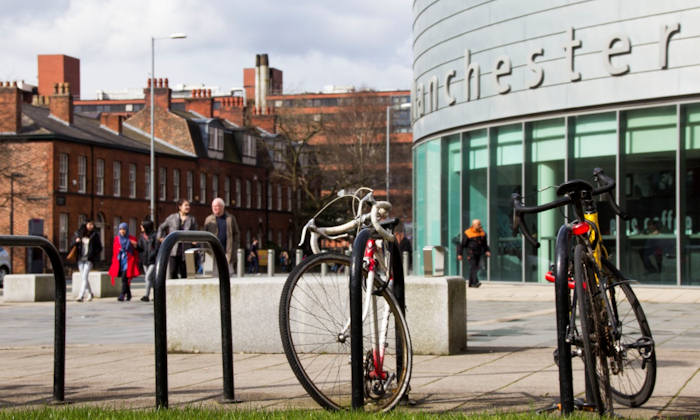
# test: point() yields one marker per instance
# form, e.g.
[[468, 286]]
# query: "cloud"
[[315, 43]]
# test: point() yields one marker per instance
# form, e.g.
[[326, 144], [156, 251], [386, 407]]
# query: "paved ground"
[[508, 365]]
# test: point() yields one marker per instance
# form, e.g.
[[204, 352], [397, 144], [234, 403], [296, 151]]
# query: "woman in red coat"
[[124, 260]]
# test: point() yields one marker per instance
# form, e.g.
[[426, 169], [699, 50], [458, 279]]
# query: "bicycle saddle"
[[389, 223], [575, 185]]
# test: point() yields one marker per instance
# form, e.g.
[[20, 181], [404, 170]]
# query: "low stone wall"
[[29, 287], [100, 283], [435, 307]]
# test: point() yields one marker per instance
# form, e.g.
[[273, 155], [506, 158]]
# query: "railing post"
[[59, 341], [240, 262], [299, 256], [561, 291], [159, 312], [270, 262], [405, 262], [356, 350]]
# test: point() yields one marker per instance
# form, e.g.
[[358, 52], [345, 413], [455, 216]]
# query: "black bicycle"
[[611, 333]]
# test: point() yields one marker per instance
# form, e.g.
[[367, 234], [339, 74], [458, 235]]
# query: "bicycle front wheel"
[[315, 330], [594, 332], [634, 377]]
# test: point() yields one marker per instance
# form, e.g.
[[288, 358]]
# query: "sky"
[[363, 43]]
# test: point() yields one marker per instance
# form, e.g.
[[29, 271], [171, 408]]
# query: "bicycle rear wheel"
[[633, 380], [314, 326], [594, 332]]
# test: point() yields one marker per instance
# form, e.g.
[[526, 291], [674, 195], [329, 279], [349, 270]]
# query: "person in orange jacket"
[[124, 260], [475, 243]]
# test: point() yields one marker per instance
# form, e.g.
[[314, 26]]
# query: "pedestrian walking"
[[125, 259], [474, 244], [225, 227], [148, 246], [180, 220], [285, 261], [88, 247]]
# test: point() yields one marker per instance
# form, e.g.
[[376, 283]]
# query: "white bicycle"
[[314, 315]]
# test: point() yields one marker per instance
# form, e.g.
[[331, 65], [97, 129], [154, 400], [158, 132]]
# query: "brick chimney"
[[200, 102], [232, 109], [61, 103], [10, 108], [111, 122], [161, 94]]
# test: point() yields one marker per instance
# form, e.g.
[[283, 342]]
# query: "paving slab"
[[508, 365]]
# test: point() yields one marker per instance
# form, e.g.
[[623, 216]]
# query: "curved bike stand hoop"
[[561, 291], [159, 313], [356, 351], [59, 341]]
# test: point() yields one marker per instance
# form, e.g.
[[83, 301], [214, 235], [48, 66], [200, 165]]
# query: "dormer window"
[[216, 139]]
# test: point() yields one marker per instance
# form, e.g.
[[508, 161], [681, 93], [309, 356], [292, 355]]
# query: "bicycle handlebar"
[[381, 207], [519, 210]]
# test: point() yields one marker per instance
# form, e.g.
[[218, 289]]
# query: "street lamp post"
[[153, 157], [388, 138]]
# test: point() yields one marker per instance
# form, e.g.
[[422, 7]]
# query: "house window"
[[117, 175], [82, 174], [190, 186], [100, 177], [214, 186], [279, 197], [269, 196], [227, 191], [63, 172], [248, 194], [63, 232], [147, 184], [176, 184], [258, 194], [132, 180], [115, 224], [82, 218], [162, 183], [133, 226], [216, 139], [202, 188], [238, 193], [289, 198]]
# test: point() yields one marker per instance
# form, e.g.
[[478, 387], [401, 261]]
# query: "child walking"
[[124, 260]]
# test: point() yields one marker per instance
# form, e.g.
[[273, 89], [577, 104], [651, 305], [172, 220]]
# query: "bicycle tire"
[[312, 313], [634, 383], [593, 332]]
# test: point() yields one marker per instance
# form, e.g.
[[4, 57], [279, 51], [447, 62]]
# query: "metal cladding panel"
[[592, 52]]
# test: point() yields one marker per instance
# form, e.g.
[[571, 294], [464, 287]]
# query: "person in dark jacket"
[[180, 220], [88, 243], [225, 227], [147, 246], [474, 244]]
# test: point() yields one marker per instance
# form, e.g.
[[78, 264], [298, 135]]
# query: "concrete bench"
[[29, 288], [436, 314], [100, 283]]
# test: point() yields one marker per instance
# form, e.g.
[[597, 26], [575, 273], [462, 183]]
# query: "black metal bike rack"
[[59, 341], [563, 308], [356, 350], [159, 313]]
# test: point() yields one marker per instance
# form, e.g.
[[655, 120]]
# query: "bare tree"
[[353, 151]]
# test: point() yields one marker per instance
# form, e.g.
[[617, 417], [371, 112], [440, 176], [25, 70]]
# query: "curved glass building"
[[520, 96]]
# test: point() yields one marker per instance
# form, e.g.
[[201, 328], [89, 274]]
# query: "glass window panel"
[[453, 227], [649, 195], [594, 146], [506, 176], [691, 190], [547, 141], [474, 190], [419, 182]]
